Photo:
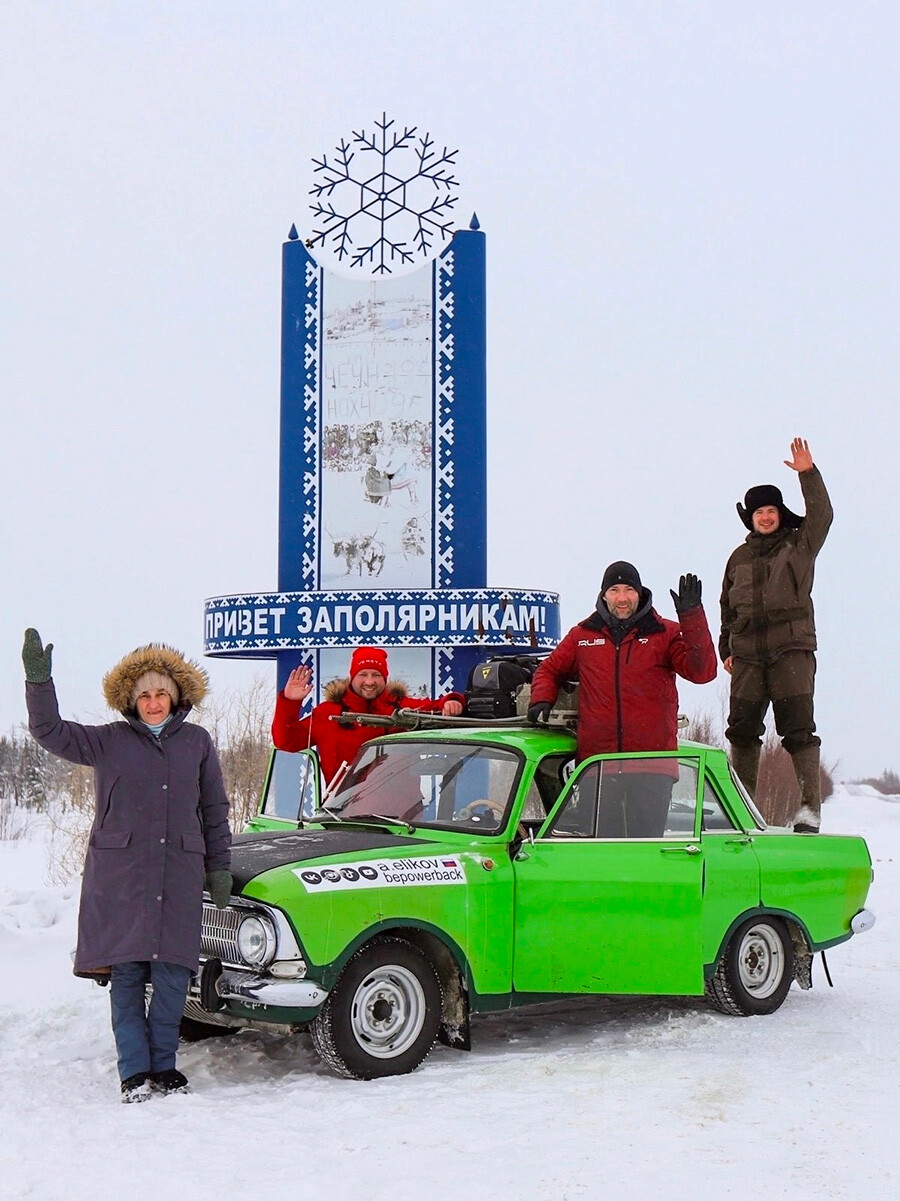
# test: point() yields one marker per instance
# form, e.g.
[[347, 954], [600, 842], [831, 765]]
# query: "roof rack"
[[415, 719]]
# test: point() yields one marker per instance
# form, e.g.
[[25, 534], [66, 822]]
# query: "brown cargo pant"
[[787, 683]]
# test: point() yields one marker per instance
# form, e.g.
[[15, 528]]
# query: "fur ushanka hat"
[[758, 498], [189, 677]]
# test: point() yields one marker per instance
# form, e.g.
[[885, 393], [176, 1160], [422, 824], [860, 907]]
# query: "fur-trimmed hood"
[[190, 678], [333, 691]]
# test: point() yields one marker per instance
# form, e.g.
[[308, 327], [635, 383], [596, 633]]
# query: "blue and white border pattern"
[[443, 424], [312, 364], [445, 677]]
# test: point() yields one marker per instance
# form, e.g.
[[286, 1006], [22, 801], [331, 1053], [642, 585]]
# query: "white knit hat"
[[152, 681]]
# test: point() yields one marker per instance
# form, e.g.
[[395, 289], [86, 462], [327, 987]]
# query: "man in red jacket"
[[625, 657], [366, 690]]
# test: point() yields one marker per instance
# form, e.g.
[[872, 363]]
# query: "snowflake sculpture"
[[410, 189]]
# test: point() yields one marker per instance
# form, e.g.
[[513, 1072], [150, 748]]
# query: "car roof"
[[530, 740]]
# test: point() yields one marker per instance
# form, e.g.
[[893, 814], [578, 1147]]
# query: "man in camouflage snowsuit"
[[768, 636]]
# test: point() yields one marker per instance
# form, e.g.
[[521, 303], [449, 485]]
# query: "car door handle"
[[690, 849]]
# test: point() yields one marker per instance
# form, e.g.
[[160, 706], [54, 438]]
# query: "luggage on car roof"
[[494, 684]]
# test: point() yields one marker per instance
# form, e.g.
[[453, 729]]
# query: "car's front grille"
[[219, 935]]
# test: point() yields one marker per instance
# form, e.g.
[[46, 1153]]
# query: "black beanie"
[[761, 496], [621, 573]]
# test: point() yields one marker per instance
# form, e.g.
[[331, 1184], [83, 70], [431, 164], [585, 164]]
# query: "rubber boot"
[[745, 761], [806, 769]]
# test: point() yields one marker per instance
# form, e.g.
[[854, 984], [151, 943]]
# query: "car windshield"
[[460, 785]]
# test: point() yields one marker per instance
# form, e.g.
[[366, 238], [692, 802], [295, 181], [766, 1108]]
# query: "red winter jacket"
[[338, 743], [628, 700]]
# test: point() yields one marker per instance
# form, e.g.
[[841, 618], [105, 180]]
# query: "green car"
[[462, 870]]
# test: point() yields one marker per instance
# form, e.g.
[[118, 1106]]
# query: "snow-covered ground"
[[622, 1099]]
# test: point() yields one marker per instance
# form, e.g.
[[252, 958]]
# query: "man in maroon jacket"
[[625, 657]]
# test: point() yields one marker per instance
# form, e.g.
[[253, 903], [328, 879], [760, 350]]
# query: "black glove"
[[688, 595], [218, 885], [36, 657], [539, 712]]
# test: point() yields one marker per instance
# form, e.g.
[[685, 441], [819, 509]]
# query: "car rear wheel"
[[382, 1016], [755, 973]]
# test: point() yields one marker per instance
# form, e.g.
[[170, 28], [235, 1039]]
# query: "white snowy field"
[[624, 1099]]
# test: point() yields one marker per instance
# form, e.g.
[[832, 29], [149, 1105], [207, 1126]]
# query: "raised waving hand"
[[801, 456]]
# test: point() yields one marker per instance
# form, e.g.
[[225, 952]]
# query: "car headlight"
[[256, 940]]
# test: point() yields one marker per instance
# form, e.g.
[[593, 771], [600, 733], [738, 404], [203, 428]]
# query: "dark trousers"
[[787, 683], [634, 804], [147, 1036]]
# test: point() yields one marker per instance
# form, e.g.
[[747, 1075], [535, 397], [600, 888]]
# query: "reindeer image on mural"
[[360, 552]]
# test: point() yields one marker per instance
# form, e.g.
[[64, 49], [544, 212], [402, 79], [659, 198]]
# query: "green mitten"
[[37, 658], [218, 885]]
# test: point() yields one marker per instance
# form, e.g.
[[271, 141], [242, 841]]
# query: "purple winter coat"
[[160, 823]]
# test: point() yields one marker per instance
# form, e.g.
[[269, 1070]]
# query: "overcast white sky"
[[691, 216]]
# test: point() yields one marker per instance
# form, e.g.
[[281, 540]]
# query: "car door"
[[731, 871], [292, 790], [608, 895]]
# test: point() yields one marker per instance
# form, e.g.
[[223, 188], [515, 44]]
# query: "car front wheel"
[[382, 1016], [755, 973]]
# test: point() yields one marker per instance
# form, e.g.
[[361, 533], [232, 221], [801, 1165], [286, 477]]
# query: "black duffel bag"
[[493, 684]]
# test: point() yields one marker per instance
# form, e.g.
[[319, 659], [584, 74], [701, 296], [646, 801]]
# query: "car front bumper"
[[245, 987]]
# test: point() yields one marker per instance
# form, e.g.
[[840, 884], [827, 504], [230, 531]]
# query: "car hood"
[[253, 854]]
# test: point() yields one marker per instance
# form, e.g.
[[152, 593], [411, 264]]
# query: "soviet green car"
[[461, 870]]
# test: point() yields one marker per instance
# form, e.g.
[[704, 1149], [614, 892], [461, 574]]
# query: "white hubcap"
[[761, 961], [388, 1011]]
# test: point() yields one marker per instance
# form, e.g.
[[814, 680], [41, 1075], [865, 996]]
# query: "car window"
[[549, 777], [533, 810], [715, 819], [747, 799], [460, 785], [629, 798], [292, 789]]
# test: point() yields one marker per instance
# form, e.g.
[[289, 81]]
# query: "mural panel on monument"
[[377, 432]]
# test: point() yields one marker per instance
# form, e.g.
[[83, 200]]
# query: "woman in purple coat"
[[160, 834]]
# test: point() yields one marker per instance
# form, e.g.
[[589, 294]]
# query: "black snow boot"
[[136, 1088], [169, 1081], [745, 761], [806, 769]]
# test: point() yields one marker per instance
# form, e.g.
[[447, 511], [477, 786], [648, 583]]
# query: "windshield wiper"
[[394, 821], [363, 819], [325, 815]]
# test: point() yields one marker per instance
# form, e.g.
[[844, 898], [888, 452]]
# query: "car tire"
[[755, 973], [383, 1014]]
